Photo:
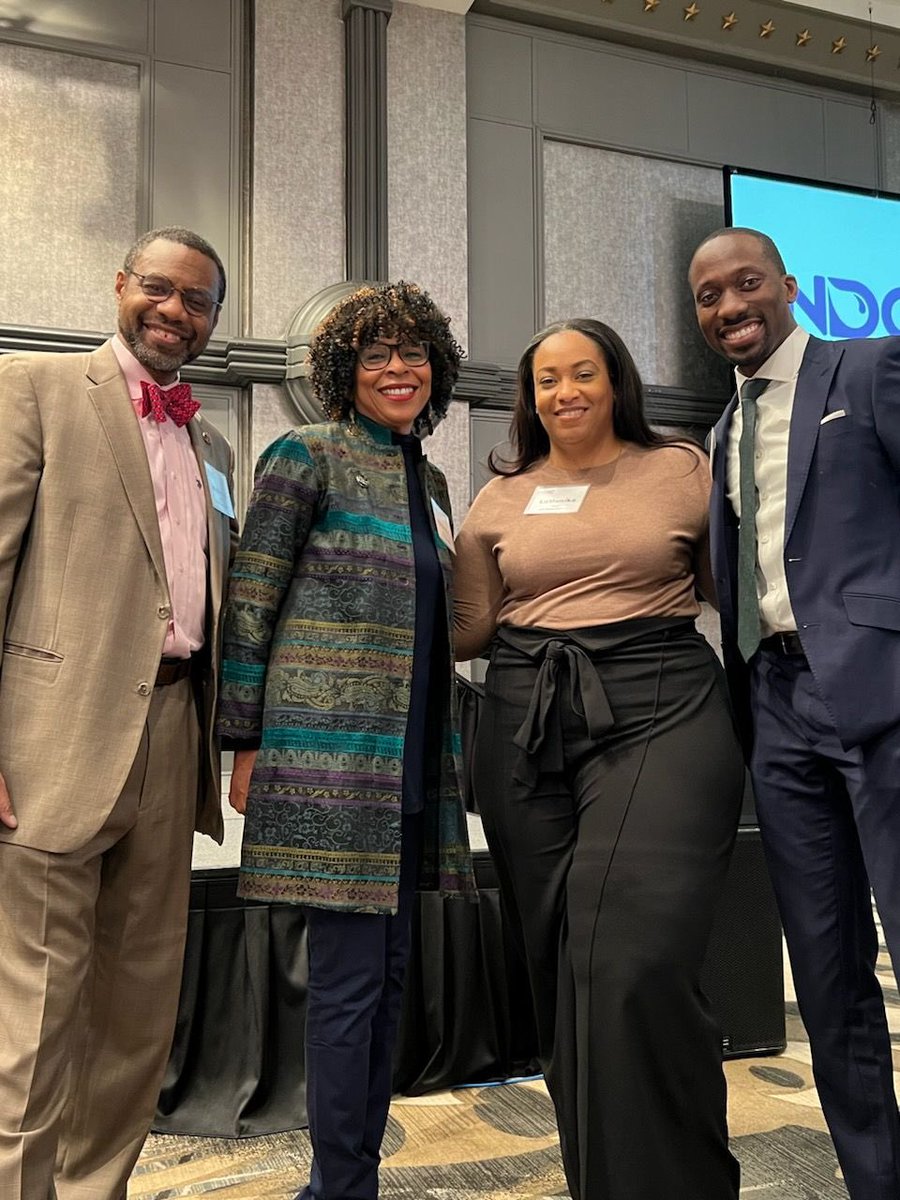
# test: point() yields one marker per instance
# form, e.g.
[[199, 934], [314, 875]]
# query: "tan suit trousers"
[[90, 969]]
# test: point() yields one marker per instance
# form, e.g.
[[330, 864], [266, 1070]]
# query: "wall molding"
[[486, 385], [243, 361], [771, 37], [229, 361]]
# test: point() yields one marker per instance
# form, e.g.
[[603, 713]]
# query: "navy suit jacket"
[[842, 534]]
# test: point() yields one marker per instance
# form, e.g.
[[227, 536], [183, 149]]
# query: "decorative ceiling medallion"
[[804, 37], [729, 20], [838, 45], [767, 30], [651, 5], [872, 53], [691, 11]]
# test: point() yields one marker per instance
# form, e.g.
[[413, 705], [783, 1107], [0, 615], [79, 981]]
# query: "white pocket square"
[[838, 412]]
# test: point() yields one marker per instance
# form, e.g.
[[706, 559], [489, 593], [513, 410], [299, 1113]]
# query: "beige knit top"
[[636, 547]]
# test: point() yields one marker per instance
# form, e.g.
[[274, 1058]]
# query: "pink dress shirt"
[[181, 509]]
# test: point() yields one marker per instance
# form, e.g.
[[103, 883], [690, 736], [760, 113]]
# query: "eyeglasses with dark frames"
[[159, 288], [379, 354]]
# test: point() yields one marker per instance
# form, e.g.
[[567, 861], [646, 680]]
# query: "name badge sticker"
[[443, 526], [218, 490], [556, 499]]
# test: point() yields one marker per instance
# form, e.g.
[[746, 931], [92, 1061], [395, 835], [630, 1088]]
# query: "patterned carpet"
[[495, 1143]]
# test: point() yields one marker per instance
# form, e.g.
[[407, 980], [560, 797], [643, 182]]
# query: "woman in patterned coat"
[[338, 699]]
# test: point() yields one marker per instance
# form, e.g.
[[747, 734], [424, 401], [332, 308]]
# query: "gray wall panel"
[[191, 157], [150, 141], [273, 415], [544, 245], [747, 124], [632, 271], [498, 75], [890, 146], [121, 24], [448, 449], [615, 99], [501, 240], [487, 429], [427, 156], [198, 33], [852, 146], [298, 157], [69, 170]]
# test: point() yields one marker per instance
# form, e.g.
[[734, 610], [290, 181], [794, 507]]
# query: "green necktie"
[[747, 595]]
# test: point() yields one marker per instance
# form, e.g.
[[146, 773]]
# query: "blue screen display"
[[842, 246]]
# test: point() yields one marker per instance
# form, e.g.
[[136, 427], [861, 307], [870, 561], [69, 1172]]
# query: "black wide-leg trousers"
[[609, 779]]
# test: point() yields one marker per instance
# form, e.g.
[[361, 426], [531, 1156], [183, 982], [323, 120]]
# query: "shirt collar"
[[782, 365], [135, 373]]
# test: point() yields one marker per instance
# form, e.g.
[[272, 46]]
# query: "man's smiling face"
[[163, 335], [742, 299]]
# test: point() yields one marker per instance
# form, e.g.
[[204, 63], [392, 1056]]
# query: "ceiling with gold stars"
[[768, 36]]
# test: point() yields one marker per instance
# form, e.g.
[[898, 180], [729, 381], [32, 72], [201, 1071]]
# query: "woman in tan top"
[[606, 765]]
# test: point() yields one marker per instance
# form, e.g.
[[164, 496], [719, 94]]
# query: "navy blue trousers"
[[830, 822], [357, 965]]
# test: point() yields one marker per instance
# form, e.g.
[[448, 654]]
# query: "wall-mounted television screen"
[[843, 246]]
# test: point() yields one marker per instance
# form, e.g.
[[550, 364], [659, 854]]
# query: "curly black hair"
[[370, 314]]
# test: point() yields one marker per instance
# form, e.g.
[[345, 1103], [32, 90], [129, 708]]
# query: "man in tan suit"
[[115, 536]]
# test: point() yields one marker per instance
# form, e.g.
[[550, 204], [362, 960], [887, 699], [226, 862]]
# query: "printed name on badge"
[[556, 499]]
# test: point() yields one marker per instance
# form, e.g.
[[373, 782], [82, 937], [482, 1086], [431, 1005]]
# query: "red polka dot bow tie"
[[174, 402]]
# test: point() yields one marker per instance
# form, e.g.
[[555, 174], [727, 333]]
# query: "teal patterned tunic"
[[318, 649]]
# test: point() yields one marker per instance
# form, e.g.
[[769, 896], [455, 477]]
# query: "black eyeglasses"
[[158, 288], [379, 354]]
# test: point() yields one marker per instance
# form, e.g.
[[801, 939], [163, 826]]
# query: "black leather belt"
[[783, 643], [171, 670]]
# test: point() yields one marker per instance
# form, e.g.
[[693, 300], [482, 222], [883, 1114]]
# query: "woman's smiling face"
[[393, 395], [572, 391]]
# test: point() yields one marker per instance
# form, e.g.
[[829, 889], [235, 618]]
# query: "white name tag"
[[556, 499], [443, 526], [218, 491]]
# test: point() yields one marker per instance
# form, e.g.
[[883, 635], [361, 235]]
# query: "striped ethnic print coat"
[[318, 649]]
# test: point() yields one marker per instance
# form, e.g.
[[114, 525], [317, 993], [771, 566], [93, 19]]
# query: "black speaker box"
[[743, 974]]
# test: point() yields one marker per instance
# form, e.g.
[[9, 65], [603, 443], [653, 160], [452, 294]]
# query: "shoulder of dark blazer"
[[857, 352]]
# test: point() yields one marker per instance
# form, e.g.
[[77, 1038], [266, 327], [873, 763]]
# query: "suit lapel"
[[718, 446], [810, 397], [107, 392]]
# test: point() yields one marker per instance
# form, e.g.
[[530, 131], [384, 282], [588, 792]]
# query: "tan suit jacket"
[[84, 603]]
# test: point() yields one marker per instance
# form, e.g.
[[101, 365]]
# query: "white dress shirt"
[[773, 424]]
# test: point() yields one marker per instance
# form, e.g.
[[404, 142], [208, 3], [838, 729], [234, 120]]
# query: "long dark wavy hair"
[[370, 314], [529, 438]]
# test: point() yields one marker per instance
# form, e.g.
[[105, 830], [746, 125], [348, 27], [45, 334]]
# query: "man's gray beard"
[[153, 360]]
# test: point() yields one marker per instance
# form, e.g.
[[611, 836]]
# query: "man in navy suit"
[[809, 591]]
